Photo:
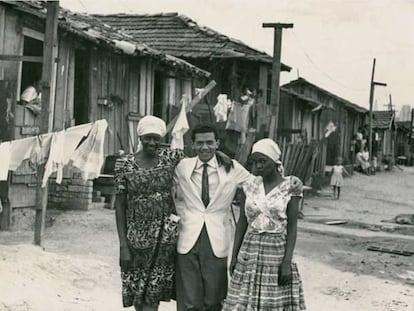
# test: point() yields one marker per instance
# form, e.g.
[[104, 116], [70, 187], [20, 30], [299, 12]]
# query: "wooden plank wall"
[[12, 41], [65, 75], [125, 84], [2, 28], [109, 96]]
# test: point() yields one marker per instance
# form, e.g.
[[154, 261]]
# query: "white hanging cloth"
[[89, 156], [56, 157], [180, 127], [5, 152], [221, 108]]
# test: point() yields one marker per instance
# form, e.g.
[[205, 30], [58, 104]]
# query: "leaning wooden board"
[[194, 102], [391, 251]]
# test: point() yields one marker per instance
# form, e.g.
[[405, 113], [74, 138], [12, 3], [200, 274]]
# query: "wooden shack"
[[345, 115], [383, 124], [232, 63], [299, 117], [402, 140], [100, 73]]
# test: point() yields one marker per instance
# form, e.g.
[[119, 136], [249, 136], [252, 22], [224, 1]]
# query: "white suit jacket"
[[194, 214]]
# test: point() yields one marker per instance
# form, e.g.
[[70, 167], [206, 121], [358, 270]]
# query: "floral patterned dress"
[[254, 283], [151, 231]]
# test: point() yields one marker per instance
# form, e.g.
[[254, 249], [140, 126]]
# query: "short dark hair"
[[204, 128]]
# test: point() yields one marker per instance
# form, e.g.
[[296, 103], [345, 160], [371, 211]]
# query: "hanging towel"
[[73, 137], [221, 108], [89, 156], [55, 160], [180, 127], [21, 150], [5, 153], [239, 117], [41, 149]]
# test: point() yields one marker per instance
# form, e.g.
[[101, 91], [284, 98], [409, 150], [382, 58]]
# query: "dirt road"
[[78, 270]]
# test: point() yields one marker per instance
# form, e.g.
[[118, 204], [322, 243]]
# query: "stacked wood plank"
[[306, 161]]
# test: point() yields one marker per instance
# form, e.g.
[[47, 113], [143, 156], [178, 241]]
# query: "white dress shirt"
[[213, 177]]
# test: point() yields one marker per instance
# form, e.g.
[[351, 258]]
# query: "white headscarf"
[[150, 125], [269, 148]]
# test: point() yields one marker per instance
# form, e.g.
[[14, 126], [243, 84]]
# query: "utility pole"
[[390, 104], [275, 91], [49, 58], [371, 99]]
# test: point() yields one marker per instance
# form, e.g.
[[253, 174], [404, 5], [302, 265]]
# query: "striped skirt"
[[253, 285]]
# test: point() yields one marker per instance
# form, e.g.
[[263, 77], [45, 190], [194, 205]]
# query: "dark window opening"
[[31, 72], [81, 87], [158, 96]]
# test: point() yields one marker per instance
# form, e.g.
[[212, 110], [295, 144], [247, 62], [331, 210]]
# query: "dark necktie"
[[205, 196]]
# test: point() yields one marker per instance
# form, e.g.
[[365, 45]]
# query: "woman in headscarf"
[[146, 218], [264, 277], [143, 215]]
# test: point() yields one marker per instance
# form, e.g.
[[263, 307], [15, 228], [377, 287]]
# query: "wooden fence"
[[306, 161]]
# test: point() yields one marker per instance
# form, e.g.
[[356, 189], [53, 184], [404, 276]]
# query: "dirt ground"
[[77, 267]]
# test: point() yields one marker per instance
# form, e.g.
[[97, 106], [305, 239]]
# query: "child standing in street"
[[337, 179]]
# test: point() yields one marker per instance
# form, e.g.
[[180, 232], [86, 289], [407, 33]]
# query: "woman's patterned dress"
[[254, 283], [151, 233]]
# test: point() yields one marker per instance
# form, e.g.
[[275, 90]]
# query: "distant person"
[[362, 160], [337, 179], [264, 276], [31, 97]]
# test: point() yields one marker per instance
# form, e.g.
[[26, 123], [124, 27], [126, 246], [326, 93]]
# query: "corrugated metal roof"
[[181, 36], [382, 119], [94, 30], [345, 102]]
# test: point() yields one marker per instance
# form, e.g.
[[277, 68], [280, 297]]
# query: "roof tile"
[[164, 27]]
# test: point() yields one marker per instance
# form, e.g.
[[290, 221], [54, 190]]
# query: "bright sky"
[[332, 44]]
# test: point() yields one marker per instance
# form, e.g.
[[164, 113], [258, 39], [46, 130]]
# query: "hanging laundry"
[[5, 153], [55, 160], [181, 126], [41, 149], [239, 117], [222, 107], [20, 150], [89, 156], [73, 137]]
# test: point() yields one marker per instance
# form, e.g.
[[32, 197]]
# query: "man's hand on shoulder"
[[296, 185], [225, 160]]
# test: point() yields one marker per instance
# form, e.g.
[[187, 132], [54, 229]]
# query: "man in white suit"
[[204, 195], [204, 192]]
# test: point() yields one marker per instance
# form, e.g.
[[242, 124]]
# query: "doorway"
[[81, 87]]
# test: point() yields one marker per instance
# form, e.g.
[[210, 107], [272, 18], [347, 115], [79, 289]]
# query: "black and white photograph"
[[207, 155]]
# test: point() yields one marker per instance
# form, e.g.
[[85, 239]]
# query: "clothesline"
[[81, 146]]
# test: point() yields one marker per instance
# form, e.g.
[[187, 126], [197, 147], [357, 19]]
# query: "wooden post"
[[412, 131], [49, 58], [371, 100], [275, 92]]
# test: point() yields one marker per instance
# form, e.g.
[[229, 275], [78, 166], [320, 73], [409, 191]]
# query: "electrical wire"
[[125, 5], [84, 7], [320, 70]]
